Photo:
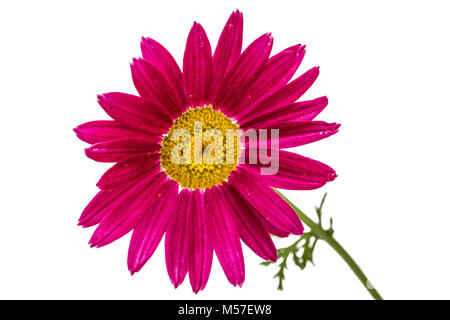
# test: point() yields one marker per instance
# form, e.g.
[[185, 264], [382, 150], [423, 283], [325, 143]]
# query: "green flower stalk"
[[303, 248]]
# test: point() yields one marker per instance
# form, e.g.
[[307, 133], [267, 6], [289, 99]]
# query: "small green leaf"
[[302, 250]]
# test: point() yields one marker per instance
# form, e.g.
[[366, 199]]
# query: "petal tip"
[[332, 176], [323, 100], [136, 63], [88, 152], [196, 289], [146, 40], [100, 97], [301, 51], [134, 264], [300, 230], [196, 26]]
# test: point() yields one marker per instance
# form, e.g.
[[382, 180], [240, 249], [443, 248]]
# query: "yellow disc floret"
[[201, 149]]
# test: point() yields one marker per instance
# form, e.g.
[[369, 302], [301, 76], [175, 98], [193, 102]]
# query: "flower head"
[[187, 164]]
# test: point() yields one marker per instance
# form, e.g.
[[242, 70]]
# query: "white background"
[[384, 67]]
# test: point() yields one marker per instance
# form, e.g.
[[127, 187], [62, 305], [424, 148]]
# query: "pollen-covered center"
[[201, 148]]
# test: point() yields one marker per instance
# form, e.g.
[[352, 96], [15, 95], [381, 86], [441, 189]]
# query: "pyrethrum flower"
[[207, 206]]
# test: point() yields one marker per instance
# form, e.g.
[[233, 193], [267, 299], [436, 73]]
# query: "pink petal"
[[94, 211], [251, 229], [228, 50], [200, 249], [298, 111], [163, 60], [278, 70], [150, 230], [125, 212], [272, 229], [117, 150], [152, 84], [105, 130], [266, 201], [197, 67], [240, 77], [135, 112], [129, 170], [224, 235], [177, 239], [286, 95], [295, 172], [297, 133]]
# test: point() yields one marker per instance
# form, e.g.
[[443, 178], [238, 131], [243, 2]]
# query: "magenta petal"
[[154, 85], [200, 249], [135, 112], [117, 150], [150, 230], [228, 50], [94, 211], [163, 60], [176, 244], [104, 130], [268, 203], [298, 133], [251, 229], [298, 111], [286, 95], [197, 67], [129, 170], [240, 77], [124, 213], [224, 235], [278, 70], [272, 229], [295, 172]]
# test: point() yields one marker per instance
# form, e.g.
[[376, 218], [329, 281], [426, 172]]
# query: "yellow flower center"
[[201, 149]]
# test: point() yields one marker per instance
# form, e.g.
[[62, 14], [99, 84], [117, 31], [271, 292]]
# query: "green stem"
[[322, 234]]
